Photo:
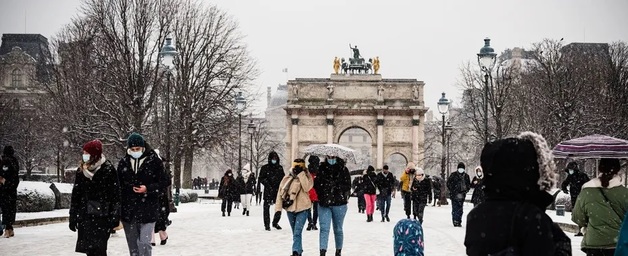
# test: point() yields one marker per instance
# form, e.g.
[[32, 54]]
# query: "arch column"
[[380, 137], [417, 139], [294, 143], [330, 123]]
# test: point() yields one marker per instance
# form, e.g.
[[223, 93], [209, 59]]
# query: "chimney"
[[268, 96]]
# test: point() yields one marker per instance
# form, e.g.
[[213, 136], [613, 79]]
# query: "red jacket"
[[312, 192]]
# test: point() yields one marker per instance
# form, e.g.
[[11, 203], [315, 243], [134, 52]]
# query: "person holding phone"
[[142, 180]]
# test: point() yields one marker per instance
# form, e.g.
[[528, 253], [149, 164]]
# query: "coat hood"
[[273, 155], [8, 151]]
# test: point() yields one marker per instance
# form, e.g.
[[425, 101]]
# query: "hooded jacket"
[[574, 181], [9, 170], [270, 176], [227, 189], [421, 189], [246, 182], [477, 184]]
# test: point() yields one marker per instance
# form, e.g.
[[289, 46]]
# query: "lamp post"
[[252, 128], [443, 108], [448, 129], [240, 103], [486, 60], [168, 53]]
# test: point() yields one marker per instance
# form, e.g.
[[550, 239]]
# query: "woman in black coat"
[[163, 222], [477, 184], [95, 205], [228, 191], [421, 194]]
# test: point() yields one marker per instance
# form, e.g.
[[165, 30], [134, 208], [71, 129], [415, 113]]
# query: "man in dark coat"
[[95, 205], [386, 186], [9, 179], [436, 188], [270, 176], [142, 179], [518, 173], [575, 179], [458, 184]]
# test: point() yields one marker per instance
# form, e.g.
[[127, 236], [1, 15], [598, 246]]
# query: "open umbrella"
[[593, 146], [343, 152]]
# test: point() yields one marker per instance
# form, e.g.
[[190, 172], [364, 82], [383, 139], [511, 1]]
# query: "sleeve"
[[160, 182], [263, 176], [114, 193], [429, 190], [278, 201], [13, 176], [563, 185], [622, 242], [539, 237], [221, 189], [467, 181], [345, 178], [578, 214], [77, 193], [450, 183], [306, 181]]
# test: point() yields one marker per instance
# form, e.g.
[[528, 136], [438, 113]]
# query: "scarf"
[[91, 170]]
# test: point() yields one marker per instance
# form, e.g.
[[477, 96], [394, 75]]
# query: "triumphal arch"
[[391, 111]]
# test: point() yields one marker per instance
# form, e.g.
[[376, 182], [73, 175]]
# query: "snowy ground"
[[198, 229]]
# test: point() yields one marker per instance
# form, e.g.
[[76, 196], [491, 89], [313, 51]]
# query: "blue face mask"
[[570, 171], [86, 158], [136, 154], [331, 161], [273, 161]]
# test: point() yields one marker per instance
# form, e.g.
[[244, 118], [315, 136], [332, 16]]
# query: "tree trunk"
[[177, 168], [187, 165]]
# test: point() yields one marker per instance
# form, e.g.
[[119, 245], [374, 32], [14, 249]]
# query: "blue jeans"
[[297, 220], [327, 215], [456, 210], [383, 203]]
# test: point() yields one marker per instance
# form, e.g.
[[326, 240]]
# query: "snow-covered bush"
[[560, 198], [35, 196], [63, 194], [187, 196]]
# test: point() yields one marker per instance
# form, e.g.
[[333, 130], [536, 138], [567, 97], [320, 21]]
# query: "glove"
[[114, 223], [73, 226], [297, 169]]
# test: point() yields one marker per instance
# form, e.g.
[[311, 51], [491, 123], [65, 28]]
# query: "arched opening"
[[396, 164], [359, 140]]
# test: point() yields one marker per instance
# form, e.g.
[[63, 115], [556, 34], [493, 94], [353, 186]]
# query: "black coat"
[[458, 185], [489, 227], [575, 182], [141, 208], [228, 189], [104, 190], [369, 183], [270, 176], [333, 184], [357, 186], [385, 183], [247, 187], [9, 170], [478, 190], [421, 191]]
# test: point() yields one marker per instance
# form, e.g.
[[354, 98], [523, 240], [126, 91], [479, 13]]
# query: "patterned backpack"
[[408, 235]]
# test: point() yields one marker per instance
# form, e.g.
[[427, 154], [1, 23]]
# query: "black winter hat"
[[8, 151], [461, 165], [135, 140]]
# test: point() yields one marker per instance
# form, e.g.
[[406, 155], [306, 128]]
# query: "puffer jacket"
[[298, 191], [601, 220]]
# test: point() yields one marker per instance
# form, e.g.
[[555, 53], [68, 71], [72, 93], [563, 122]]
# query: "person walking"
[[421, 194], [246, 186], [95, 201], [370, 191], [575, 179], [333, 185], [458, 185], [142, 180], [406, 183], [437, 183], [519, 172], [600, 209], [312, 217], [386, 186], [358, 189], [236, 199], [227, 190], [9, 180], [478, 188], [162, 222], [294, 198], [270, 176]]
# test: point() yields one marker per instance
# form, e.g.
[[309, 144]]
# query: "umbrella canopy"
[[593, 146], [343, 152]]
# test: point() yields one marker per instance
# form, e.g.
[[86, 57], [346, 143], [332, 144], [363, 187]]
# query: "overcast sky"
[[426, 40]]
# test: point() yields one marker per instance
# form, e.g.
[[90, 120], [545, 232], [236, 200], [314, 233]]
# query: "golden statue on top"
[[336, 65], [376, 65]]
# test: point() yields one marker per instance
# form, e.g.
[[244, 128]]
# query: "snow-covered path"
[[198, 229]]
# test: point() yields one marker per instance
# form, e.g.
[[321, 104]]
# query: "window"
[[16, 78]]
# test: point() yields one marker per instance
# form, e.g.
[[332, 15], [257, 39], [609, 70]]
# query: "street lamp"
[[448, 129], [252, 128], [168, 53], [486, 59], [240, 103], [443, 108]]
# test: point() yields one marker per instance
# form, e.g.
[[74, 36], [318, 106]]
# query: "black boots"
[[276, 219], [323, 252], [383, 219], [223, 214], [387, 219], [295, 254], [338, 252], [369, 217]]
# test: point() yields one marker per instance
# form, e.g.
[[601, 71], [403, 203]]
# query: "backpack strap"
[[611, 205]]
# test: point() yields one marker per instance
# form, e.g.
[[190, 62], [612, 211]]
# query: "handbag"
[[96, 209], [286, 201], [376, 188]]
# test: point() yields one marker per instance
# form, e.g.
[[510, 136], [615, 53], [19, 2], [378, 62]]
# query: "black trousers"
[[312, 215], [8, 204], [97, 253], [407, 202], [276, 218], [599, 252], [227, 204]]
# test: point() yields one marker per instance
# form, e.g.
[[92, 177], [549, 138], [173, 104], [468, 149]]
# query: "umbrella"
[[593, 146], [331, 150]]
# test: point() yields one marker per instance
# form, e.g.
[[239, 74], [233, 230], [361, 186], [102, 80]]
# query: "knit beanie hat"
[[410, 165], [94, 148], [298, 163], [408, 238], [8, 151], [461, 165], [135, 140]]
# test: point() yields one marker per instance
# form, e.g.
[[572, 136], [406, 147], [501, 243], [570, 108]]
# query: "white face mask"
[[480, 174], [570, 171], [460, 170], [86, 158], [136, 154]]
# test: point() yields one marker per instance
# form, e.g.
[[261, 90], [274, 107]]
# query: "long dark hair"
[[608, 167]]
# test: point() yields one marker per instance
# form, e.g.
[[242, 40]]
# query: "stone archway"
[[396, 163], [391, 111], [360, 140]]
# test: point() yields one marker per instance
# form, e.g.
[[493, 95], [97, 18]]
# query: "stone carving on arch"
[[341, 125]]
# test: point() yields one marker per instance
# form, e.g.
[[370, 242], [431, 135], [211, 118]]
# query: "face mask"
[[230, 174], [86, 158], [273, 161], [136, 154], [570, 171], [460, 170], [479, 174], [331, 161]]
